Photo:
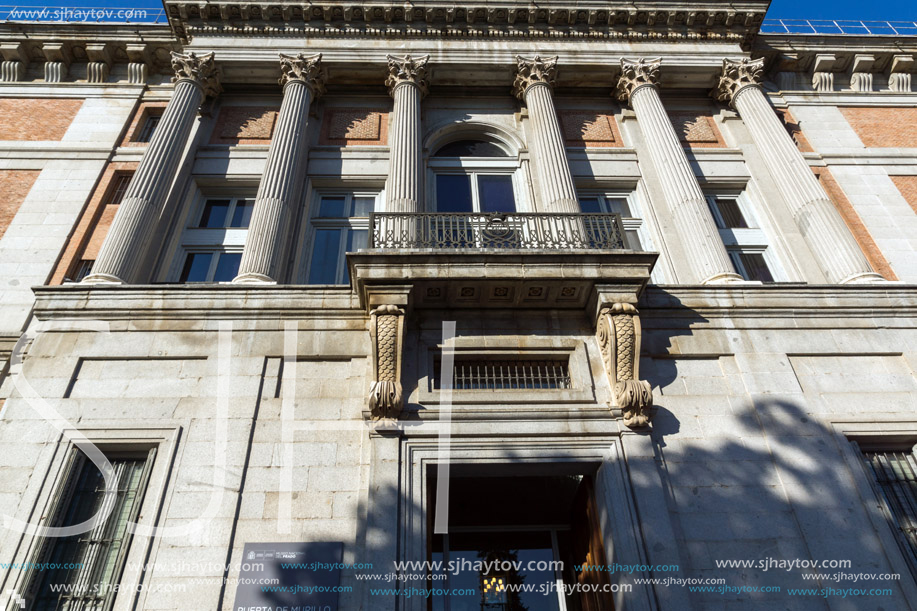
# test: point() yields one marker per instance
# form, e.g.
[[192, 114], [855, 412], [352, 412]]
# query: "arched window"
[[474, 174]]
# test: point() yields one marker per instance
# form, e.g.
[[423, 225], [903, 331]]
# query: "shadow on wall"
[[757, 478]]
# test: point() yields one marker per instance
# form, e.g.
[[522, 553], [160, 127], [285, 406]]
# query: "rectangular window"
[[213, 241], [100, 553], [149, 126], [340, 225], [895, 474], [745, 241], [617, 203]]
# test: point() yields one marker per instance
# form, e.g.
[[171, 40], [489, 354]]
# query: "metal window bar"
[[849, 27], [499, 230], [506, 375], [896, 475]]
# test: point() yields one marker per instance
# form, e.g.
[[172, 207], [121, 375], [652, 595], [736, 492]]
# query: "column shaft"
[[818, 220], [284, 172], [406, 166], [707, 257], [128, 240], [558, 190]]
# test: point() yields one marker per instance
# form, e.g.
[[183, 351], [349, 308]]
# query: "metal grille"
[[896, 475], [506, 375], [496, 230]]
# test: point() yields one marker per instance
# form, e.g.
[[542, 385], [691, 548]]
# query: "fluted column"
[[707, 257], [128, 240], [818, 220], [407, 83], [534, 85], [268, 231]]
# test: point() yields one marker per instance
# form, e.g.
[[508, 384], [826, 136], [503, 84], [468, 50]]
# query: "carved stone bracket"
[[202, 70], [635, 74], [304, 68], [387, 334], [737, 75], [408, 69], [534, 71], [618, 334]]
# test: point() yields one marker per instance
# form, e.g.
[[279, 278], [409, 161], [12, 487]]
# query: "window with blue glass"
[[473, 176], [340, 224], [212, 242]]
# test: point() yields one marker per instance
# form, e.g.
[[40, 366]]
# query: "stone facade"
[[301, 396]]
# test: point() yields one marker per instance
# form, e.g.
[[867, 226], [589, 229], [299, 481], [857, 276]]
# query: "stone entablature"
[[689, 21]]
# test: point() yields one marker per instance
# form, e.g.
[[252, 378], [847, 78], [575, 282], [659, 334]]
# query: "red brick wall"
[[908, 187], [36, 118], [855, 224], [589, 129], [93, 225], [354, 127], [696, 130], [894, 127], [244, 125], [14, 186]]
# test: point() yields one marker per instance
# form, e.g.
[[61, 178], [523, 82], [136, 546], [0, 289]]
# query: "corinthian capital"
[[407, 69], [737, 75], [202, 70], [636, 73], [532, 72], [306, 69]]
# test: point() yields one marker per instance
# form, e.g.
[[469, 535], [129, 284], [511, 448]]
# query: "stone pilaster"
[[818, 220], [268, 232], [707, 258], [618, 335], [407, 83], [534, 85], [128, 240]]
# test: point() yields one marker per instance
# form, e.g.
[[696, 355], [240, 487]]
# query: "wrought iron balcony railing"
[[510, 230]]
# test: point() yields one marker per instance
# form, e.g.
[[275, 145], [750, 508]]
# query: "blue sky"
[[881, 10]]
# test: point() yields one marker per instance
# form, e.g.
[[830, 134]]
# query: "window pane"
[[95, 553], [470, 148], [453, 193], [325, 252], [755, 267], [618, 205], [215, 213], [227, 266], [632, 240], [590, 205], [332, 207], [149, 126], [496, 193], [242, 215], [196, 267], [731, 214], [357, 239], [363, 206]]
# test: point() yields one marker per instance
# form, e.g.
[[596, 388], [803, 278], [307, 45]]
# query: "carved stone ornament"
[[618, 335], [202, 70], [737, 75], [534, 71], [386, 329], [305, 68], [408, 69], [636, 73]]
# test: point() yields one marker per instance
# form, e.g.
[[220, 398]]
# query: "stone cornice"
[[589, 19], [80, 43]]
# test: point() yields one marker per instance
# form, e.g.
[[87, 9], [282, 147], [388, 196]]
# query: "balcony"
[[496, 230], [493, 260]]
